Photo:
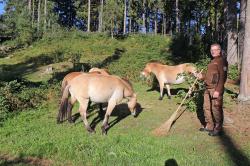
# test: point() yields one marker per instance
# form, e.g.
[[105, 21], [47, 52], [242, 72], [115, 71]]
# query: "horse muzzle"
[[133, 113]]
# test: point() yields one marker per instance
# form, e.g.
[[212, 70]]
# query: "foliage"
[[187, 49], [194, 101], [233, 72], [16, 96]]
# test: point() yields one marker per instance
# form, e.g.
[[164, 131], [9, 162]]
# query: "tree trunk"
[[112, 28], [231, 27], [33, 13], [100, 16], [38, 15], [245, 72], [241, 30], [89, 3], [177, 17], [164, 24], [216, 20], [143, 15], [29, 6], [155, 20], [45, 15], [125, 17]]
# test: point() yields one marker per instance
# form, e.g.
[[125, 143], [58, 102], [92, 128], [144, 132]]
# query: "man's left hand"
[[216, 94]]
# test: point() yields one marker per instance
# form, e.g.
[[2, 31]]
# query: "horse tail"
[[63, 105], [64, 84]]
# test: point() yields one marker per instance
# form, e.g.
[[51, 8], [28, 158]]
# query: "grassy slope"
[[31, 63], [129, 141]]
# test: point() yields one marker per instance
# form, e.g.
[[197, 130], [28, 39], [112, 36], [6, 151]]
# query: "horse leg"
[[69, 108], [111, 106], [101, 111], [83, 112], [161, 90], [168, 88]]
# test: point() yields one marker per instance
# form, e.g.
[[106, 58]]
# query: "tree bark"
[[29, 6], [231, 28], [143, 15], [177, 17], [45, 15], [245, 71], [164, 24], [125, 17], [33, 13], [38, 15], [100, 16], [89, 3], [155, 20], [241, 30]]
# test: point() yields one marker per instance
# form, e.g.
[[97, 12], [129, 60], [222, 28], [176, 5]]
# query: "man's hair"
[[215, 44]]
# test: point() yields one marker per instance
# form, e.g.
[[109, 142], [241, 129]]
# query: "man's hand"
[[216, 94], [199, 75]]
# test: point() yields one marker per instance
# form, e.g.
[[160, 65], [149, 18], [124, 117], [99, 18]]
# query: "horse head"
[[146, 71], [132, 104], [191, 69]]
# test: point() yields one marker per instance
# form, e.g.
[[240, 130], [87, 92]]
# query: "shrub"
[[17, 96]]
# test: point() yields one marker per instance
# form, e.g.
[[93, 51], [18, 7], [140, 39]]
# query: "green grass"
[[135, 51], [129, 142]]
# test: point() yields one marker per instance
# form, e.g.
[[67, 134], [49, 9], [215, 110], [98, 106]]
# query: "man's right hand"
[[199, 75]]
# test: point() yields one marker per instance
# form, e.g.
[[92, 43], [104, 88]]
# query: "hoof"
[[104, 132], [160, 98], [71, 121], [90, 130], [58, 122], [104, 129], [169, 97]]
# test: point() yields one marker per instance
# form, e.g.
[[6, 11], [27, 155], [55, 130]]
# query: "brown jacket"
[[216, 74]]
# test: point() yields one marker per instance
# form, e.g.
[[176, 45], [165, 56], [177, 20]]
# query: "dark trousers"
[[213, 110]]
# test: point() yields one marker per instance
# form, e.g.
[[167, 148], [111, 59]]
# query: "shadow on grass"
[[87, 66], [14, 71], [6, 160], [237, 156], [171, 162], [172, 91], [121, 111]]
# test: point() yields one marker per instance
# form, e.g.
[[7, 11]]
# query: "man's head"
[[215, 50]]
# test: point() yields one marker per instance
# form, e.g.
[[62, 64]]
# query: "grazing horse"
[[99, 89], [167, 75], [71, 76]]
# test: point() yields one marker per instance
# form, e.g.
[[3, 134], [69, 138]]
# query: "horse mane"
[[156, 61], [126, 81]]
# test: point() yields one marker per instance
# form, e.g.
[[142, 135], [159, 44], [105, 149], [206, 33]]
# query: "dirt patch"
[[11, 160], [237, 120]]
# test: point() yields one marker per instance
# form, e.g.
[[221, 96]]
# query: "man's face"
[[215, 51]]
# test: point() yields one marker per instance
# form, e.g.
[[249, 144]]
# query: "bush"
[[18, 96], [233, 72]]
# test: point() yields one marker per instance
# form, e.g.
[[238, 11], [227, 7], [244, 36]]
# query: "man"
[[214, 79]]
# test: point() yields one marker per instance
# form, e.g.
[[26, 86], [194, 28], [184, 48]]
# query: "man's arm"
[[221, 70]]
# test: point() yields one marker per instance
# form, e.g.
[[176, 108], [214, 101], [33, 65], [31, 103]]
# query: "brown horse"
[[167, 75], [99, 89], [71, 76]]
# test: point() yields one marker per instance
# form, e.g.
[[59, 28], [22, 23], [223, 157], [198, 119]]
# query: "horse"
[[71, 76], [99, 89], [167, 75]]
